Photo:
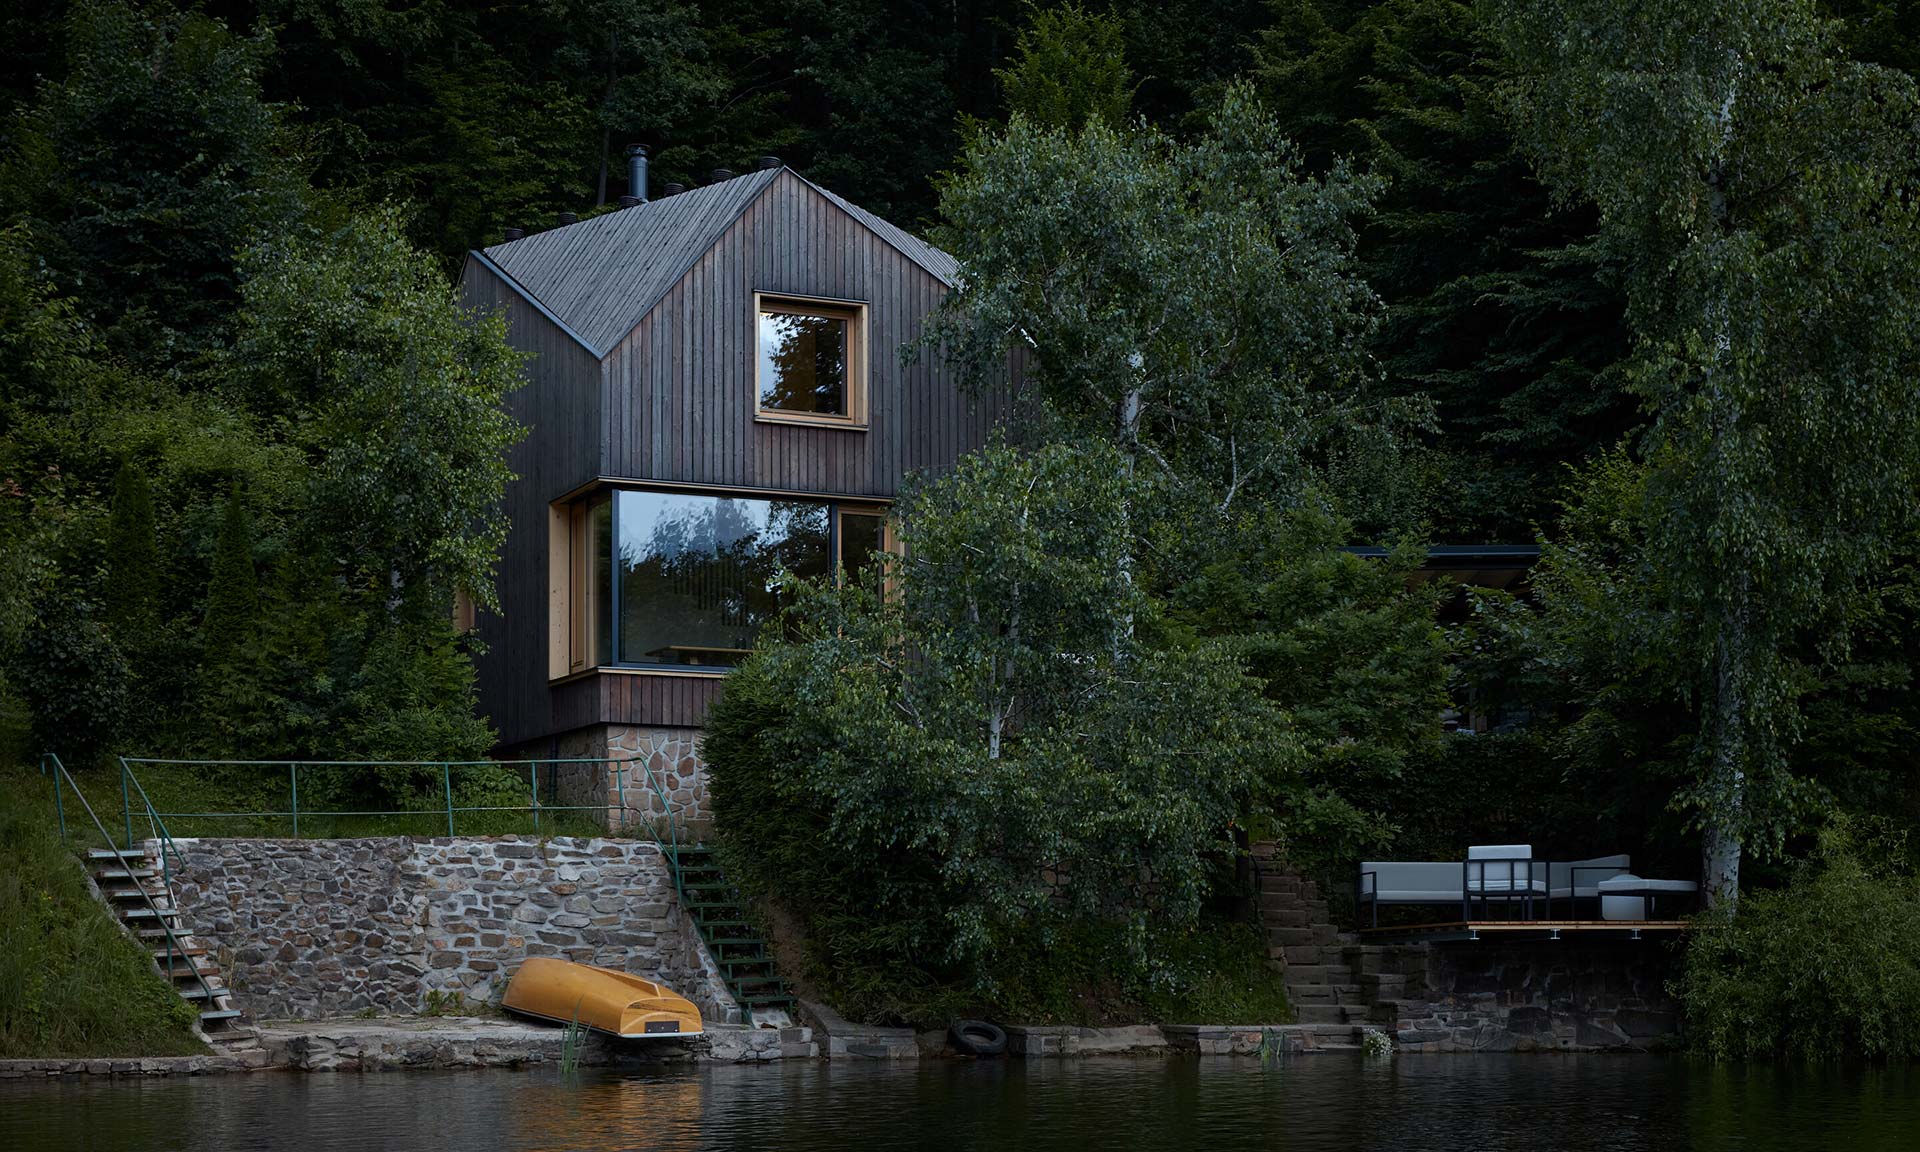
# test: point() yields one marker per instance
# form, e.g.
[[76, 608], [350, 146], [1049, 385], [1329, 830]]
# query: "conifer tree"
[[1069, 66], [233, 590], [133, 558]]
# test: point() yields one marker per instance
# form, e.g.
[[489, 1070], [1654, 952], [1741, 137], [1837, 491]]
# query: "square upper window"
[[810, 364]]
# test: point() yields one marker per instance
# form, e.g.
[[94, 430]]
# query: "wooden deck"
[[1522, 929]]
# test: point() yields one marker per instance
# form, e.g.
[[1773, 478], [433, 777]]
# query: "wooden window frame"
[[465, 613], [854, 312], [570, 589], [888, 542]]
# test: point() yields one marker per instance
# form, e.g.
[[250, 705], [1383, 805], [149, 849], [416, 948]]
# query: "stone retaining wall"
[[310, 929], [1575, 994]]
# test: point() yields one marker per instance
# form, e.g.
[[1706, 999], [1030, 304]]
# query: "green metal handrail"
[[130, 784], [173, 940]]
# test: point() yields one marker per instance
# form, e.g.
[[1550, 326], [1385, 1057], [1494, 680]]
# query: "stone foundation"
[[397, 925], [403, 1045], [671, 755], [1571, 995]]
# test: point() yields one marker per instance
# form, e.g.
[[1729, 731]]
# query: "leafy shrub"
[[988, 766], [1825, 968]]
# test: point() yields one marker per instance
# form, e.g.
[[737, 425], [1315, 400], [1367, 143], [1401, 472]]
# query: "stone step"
[[1305, 974], [1328, 1013], [1293, 937], [1300, 994], [1286, 918], [1302, 954]]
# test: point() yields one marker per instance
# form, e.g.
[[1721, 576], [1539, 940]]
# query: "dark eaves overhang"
[[520, 290]]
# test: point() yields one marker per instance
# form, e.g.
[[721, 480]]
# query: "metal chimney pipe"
[[637, 172]]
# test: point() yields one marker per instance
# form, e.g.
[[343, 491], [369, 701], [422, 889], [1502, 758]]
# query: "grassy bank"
[[71, 983]]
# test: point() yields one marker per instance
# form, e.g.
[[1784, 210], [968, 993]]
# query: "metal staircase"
[[720, 914], [137, 888]]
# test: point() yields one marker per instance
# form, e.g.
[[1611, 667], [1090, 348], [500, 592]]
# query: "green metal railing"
[[50, 765], [137, 805]]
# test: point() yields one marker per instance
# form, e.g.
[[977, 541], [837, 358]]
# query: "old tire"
[[977, 1038]]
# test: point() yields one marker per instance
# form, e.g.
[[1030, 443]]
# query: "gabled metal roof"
[[599, 278]]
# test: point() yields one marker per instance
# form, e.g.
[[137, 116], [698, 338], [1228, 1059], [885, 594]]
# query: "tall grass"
[[571, 1042], [71, 983]]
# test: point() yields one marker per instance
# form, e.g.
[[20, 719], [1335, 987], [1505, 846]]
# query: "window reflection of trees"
[[697, 573], [804, 363]]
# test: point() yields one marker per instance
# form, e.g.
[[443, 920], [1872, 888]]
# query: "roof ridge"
[[601, 277]]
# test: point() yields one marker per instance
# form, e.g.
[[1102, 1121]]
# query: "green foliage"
[[356, 352], [1758, 191], [1499, 306], [1825, 968], [142, 168], [1344, 643], [1194, 302], [1069, 66], [233, 591], [71, 983], [133, 557], [308, 477], [944, 780]]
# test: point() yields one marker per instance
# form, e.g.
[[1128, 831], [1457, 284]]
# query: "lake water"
[[1339, 1102]]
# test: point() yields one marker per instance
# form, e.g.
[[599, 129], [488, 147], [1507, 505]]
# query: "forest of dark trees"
[[1450, 266]]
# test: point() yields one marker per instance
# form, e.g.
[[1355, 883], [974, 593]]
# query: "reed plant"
[[572, 1040]]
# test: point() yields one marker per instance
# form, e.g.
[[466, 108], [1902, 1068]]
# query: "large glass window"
[[809, 364], [696, 573], [678, 579]]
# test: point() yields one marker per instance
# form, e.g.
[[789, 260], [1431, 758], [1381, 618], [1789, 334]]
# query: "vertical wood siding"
[[679, 389], [560, 407], [674, 401]]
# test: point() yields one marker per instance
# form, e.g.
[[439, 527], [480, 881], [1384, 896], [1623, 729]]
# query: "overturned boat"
[[603, 999]]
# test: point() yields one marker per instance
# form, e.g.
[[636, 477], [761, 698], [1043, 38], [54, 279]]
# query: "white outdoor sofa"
[[1503, 874]]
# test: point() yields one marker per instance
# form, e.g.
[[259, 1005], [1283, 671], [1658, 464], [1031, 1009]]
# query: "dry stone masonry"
[[395, 925], [1572, 995], [621, 787]]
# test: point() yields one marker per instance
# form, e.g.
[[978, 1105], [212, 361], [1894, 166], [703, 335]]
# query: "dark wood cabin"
[[716, 390]]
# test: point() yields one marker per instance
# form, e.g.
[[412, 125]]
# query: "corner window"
[[863, 534], [684, 580], [810, 361]]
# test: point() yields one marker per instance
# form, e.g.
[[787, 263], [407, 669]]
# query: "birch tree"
[[1193, 302], [1760, 192]]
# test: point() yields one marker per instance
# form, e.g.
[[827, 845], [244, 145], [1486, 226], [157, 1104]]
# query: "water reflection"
[[1327, 1102]]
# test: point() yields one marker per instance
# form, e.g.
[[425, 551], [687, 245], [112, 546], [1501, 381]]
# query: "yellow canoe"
[[617, 1003]]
